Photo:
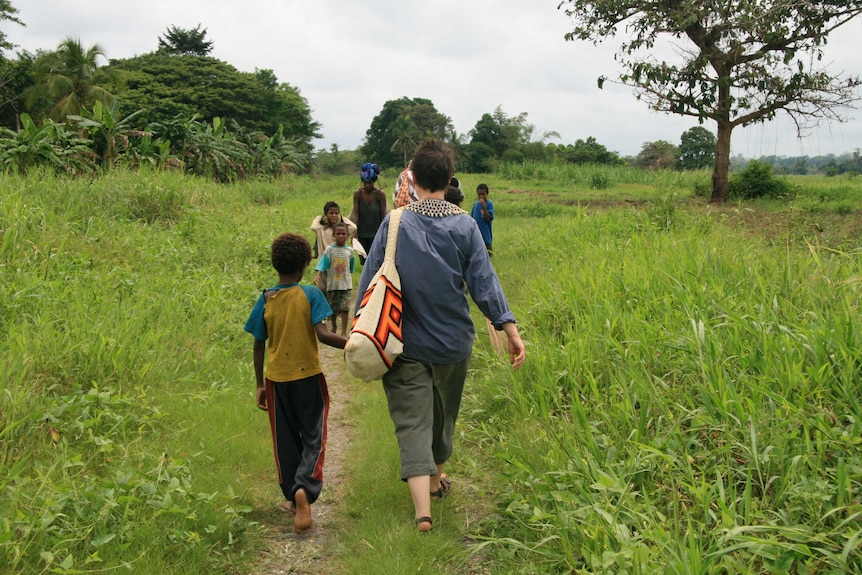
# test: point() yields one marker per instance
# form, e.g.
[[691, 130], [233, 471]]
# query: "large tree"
[[181, 42], [740, 62], [67, 78], [502, 132], [166, 86], [696, 148], [658, 155], [386, 129], [588, 151]]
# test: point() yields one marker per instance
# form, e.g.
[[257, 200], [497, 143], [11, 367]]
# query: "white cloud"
[[467, 56]]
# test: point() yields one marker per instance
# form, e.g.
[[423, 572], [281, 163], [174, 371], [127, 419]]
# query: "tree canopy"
[[696, 148], [166, 86], [399, 121], [658, 155], [742, 61], [587, 151], [181, 42]]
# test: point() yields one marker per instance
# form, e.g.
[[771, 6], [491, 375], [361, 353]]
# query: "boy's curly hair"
[[290, 253]]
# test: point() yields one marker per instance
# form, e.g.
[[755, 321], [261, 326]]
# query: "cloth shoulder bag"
[[375, 337], [403, 197]]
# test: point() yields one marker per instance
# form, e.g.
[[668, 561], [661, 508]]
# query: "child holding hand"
[[294, 392]]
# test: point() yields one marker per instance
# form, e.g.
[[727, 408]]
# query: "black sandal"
[[421, 521], [445, 488]]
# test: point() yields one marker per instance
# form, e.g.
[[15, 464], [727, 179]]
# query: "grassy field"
[[690, 402]]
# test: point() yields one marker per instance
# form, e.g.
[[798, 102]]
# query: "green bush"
[[702, 189], [599, 181], [758, 181]]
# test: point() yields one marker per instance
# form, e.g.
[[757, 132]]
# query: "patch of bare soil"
[[285, 552]]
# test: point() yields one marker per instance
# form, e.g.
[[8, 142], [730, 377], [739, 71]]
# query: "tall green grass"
[[129, 434], [689, 405]]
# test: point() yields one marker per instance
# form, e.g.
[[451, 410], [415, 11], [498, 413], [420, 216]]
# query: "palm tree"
[[406, 134], [66, 76]]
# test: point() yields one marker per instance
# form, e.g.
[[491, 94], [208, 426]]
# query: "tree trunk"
[[721, 168]]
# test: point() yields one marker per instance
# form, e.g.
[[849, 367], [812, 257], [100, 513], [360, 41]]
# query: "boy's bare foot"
[[302, 521]]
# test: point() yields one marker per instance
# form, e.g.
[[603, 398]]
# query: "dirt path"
[[288, 553]]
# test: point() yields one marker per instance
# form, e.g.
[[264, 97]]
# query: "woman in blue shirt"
[[440, 250]]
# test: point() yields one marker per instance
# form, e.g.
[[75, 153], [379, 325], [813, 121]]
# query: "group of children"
[[290, 384]]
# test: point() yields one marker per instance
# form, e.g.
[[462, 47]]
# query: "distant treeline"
[[828, 165]]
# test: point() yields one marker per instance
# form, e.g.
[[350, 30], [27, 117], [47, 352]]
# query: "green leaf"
[[102, 539]]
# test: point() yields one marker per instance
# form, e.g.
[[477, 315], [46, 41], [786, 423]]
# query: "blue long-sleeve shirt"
[[484, 227], [436, 256]]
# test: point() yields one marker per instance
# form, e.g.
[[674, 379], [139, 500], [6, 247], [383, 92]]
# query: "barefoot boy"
[[337, 263], [294, 393]]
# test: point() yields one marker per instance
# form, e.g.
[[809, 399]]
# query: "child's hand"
[[261, 398]]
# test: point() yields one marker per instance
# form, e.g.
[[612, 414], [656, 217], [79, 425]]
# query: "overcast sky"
[[467, 56]]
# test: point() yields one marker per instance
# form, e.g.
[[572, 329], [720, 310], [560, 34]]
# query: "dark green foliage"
[[15, 77], [47, 145], [400, 120], [181, 42], [166, 87], [67, 79], [505, 135], [658, 155], [758, 181], [200, 148], [477, 158], [587, 151], [696, 149]]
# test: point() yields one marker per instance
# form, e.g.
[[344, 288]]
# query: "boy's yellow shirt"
[[293, 350]]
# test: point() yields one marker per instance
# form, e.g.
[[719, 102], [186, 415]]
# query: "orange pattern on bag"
[[403, 197], [389, 323]]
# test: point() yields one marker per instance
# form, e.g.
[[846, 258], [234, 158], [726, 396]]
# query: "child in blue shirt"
[[483, 213], [292, 318], [337, 264]]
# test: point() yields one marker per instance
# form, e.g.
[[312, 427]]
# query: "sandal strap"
[[445, 488], [420, 522]]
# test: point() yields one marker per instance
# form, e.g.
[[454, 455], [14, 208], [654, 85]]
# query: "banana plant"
[[49, 144], [106, 128]]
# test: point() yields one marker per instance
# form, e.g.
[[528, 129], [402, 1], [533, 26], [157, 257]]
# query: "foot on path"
[[302, 521]]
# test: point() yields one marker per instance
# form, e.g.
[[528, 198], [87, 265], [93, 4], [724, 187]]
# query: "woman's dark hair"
[[290, 253], [433, 165]]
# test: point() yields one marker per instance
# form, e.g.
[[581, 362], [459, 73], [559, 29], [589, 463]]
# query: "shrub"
[[758, 181], [599, 181]]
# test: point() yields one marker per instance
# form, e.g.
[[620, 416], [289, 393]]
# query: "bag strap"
[[392, 236]]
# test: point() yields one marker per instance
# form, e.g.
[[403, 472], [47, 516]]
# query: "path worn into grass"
[[284, 551]]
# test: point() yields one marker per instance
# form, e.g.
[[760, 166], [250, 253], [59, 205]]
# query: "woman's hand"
[[517, 352]]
